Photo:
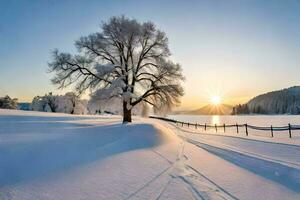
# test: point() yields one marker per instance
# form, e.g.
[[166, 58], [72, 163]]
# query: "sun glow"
[[215, 100]]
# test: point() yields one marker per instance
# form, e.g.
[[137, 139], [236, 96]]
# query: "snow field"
[[59, 156]]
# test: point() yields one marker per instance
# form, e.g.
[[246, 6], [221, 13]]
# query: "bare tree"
[[126, 59]]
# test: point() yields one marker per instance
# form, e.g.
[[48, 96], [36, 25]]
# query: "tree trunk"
[[126, 113]]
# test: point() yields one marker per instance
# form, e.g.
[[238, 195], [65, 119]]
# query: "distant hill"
[[209, 109], [286, 101]]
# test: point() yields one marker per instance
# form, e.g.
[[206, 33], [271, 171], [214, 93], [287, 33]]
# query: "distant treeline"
[[240, 109], [286, 101], [70, 103]]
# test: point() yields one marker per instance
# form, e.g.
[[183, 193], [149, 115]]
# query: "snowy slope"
[[59, 156]]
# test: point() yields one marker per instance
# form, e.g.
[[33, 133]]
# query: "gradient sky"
[[236, 49]]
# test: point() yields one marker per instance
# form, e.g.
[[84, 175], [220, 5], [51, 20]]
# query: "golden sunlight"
[[215, 100]]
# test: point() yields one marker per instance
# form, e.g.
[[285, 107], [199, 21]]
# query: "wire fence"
[[237, 127]]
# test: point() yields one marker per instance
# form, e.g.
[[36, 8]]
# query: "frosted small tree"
[[41, 103], [127, 59], [8, 103], [71, 96], [51, 100]]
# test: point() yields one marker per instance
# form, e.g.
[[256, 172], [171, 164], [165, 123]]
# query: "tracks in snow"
[[238, 150], [199, 186], [281, 171], [179, 171]]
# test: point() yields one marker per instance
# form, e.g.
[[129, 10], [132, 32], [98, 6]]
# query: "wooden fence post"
[[290, 131], [290, 127], [272, 131]]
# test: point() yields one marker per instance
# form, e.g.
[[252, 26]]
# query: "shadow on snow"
[[38, 149]]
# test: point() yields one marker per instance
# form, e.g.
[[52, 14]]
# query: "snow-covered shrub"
[[8, 103]]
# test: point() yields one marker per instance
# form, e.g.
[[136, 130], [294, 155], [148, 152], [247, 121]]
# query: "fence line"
[[271, 128]]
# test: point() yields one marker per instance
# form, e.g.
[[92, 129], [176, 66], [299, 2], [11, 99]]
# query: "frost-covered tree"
[[68, 103], [73, 99], [51, 101], [38, 104], [126, 59], [47, 103], [8, 103]]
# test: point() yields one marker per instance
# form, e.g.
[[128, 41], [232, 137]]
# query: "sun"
[[215, 100]]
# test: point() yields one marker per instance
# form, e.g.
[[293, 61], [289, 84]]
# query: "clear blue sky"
[[236, 48]]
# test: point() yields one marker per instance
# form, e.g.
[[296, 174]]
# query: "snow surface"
[[60, 156]]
